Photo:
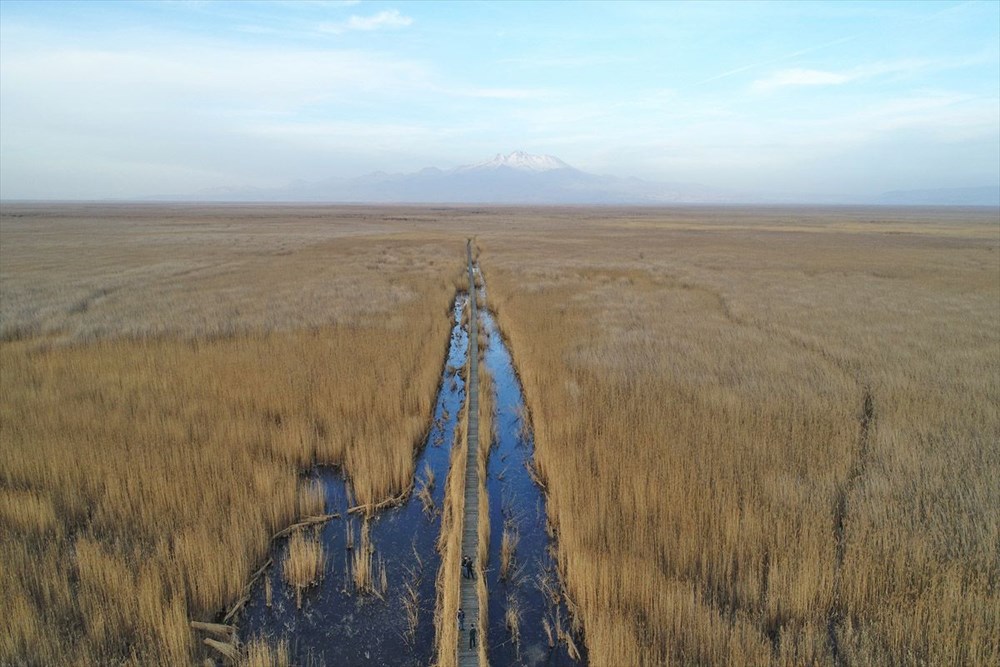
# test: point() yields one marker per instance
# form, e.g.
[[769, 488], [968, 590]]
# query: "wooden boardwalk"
[[470, 523]]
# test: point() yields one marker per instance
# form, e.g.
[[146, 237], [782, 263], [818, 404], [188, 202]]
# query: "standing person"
[[472, 636], [461, 619]]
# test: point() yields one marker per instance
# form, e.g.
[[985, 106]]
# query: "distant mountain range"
[[988, 196], [523, 178]]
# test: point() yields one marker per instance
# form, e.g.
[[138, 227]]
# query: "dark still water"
[[337, 625], [528, 596]]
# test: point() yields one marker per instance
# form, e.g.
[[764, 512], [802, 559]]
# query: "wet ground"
[[333, 624], [337, 625], [531, 586]]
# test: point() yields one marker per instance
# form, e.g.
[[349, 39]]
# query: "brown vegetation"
[[305, 562], [258, 653], [424, 491], [368, 572], [449, 580], [508, 547], [768, 437], [166, 375]]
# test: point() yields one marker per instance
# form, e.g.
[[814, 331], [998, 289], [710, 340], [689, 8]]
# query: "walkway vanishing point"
[[469, 598]]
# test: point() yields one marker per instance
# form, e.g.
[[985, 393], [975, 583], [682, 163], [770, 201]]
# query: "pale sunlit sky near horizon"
[[124, 99]]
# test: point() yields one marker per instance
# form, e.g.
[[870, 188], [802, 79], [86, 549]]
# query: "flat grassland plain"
[[768, 436], [167, 372]]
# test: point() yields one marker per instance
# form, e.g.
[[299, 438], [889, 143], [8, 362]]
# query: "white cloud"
[[799, 77], [496, 93], [589, 60], [906, 67], [388, 18]]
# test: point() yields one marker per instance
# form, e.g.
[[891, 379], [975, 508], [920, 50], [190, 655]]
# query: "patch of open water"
[[336, 625], [517, 502]]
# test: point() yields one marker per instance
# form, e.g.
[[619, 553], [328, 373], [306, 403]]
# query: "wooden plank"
[[470, 522]]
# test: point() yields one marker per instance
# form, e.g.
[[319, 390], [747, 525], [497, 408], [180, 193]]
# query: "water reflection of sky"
[[334, 625], [515, 497]]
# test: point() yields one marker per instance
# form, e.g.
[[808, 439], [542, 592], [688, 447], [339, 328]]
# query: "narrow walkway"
[[470, 525]]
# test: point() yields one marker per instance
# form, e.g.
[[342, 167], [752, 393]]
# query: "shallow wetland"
[[337, 624]]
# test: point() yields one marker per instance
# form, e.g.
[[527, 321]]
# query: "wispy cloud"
[[900, 68], [589, 60], [787, 56], [388, 18], [497, 93], [799, 77]]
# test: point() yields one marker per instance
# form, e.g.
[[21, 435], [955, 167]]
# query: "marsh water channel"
[[531, 589], [333, 624], [337, 625]]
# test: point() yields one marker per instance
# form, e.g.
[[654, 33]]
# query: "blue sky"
[[125, 99]]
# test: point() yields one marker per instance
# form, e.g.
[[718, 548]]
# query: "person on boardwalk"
[[472, 636], [461, 619], [465, 567]]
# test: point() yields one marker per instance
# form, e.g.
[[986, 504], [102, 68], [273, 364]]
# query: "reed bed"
[[767, 437], [166, 376], [449, 575]]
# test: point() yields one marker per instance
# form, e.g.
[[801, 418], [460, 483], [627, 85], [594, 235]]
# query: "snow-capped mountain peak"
[[521, 161]]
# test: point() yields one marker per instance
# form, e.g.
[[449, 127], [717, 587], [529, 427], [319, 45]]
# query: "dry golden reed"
[[449, 545], [167, 373], [768, 437], [306, 560], [258, 653]]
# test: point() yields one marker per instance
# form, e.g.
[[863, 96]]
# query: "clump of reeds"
[[361, 561], [549, 634], [512, 618], [258, 652], [312, 499], [349, 535], [411, 608], [424, 490], [305, 562], [508, 547]]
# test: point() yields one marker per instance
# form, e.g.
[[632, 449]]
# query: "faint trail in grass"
[[861, 454]]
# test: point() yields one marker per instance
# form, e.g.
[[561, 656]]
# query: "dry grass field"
[[166, 375], [769, 437]]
